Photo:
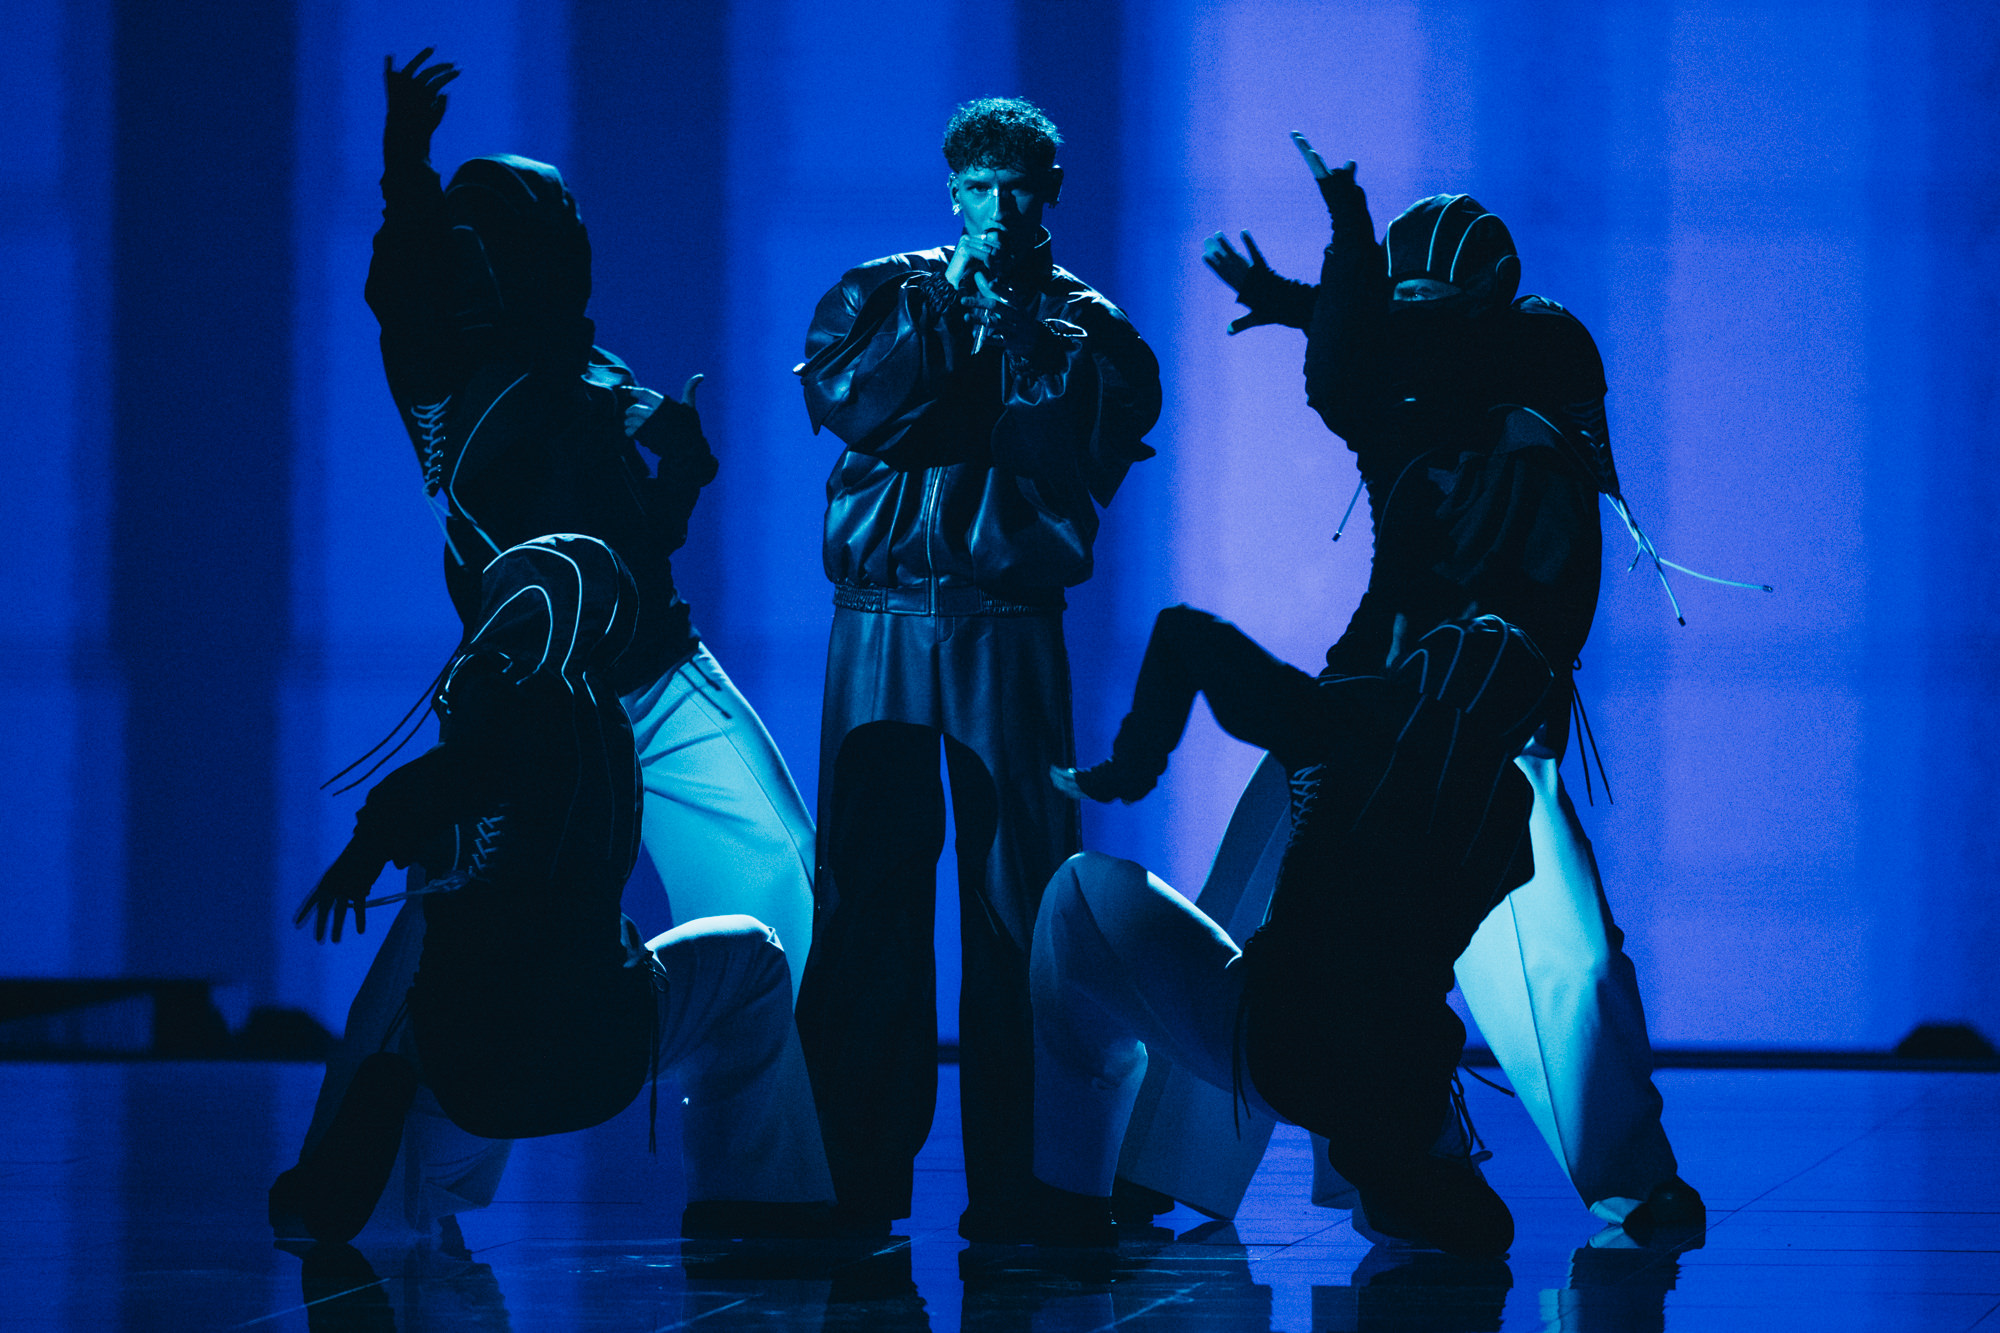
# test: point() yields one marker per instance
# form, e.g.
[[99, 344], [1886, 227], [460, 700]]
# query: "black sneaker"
[[1671, 1215], [1133, 1208], [1104, 783], [1049, 1216], [1443, 1203]]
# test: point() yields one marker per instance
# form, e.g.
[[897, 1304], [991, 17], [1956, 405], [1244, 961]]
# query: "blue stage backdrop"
[[1780, 220]]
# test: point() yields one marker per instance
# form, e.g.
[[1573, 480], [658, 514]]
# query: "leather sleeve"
[[1079, 420], [879, 359]]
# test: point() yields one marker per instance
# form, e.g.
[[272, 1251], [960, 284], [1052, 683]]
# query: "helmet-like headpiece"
[[1450, 238], [556, 607]]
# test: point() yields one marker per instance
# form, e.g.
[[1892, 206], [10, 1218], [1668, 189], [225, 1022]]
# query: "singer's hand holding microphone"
[[992, 317]]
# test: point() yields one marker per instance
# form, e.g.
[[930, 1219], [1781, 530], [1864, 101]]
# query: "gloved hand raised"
[[342, 888], [1346, 202], [1272, 299], [416, 106]]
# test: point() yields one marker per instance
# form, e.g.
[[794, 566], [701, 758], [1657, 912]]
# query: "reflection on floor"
[[133, 1197]]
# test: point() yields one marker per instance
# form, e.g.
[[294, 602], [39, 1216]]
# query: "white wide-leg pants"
[[1122, 965], [723, 821], [727, 1042], [1546, 980]]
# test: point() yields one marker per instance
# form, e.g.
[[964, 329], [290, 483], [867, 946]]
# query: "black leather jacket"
[[971, 475]]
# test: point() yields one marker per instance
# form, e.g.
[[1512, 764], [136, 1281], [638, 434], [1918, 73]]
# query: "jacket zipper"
[[931, 483]]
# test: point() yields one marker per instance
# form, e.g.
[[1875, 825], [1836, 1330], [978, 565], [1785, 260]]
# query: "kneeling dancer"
[[1407, 825], [534, 1009]]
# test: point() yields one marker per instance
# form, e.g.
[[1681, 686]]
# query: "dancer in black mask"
[[1478, 423], [522, 427], [534, 1009]]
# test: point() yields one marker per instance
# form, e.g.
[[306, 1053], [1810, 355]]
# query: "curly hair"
[[1007, 132]]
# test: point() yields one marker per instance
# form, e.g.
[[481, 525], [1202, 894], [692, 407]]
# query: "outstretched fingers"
[[1222, 259], [1314, 162], [409, 70]]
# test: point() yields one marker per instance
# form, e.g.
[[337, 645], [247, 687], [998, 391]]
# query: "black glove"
[[416, 106], [672, 431], [342, 888], [1272, 299], [1346, 202]]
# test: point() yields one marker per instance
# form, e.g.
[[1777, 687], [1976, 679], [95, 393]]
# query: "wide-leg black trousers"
[[992, 690]]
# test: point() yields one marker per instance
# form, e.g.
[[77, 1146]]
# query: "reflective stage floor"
[[133, 1198]]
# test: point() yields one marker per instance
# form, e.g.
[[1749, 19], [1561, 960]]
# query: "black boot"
[[333, 1192], [1442, 1202]]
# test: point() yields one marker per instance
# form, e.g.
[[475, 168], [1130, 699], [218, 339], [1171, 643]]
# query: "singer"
[[989, 402]]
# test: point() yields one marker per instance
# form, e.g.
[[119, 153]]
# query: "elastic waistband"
[[935, 601]]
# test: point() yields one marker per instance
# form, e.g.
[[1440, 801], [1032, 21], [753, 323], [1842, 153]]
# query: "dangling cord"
[[659, 980], [1352, 500], [1643, 549], [1590, 737], [703, 678], [1465, 1124], [1500, 1088], [422, 703], [1239, 1102], [1582, 755]]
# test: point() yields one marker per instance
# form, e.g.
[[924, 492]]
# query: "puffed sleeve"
[[1565, 376], [1076, 410], [880, 363]]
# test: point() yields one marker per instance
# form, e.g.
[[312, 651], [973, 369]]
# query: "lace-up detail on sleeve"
[[429, 419]]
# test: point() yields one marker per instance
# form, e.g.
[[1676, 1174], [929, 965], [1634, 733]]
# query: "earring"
[[954, 210]]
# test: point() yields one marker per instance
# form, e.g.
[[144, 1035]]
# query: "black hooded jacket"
[[972, 472], [1478, 425], [516, 418]]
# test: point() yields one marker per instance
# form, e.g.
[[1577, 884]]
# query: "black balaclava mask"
[[1447, 238], [520, 260], [1450, 238]]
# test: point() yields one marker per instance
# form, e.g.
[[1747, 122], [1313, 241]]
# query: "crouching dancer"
[[1408, 821], [533, 1008], [1478, 421]]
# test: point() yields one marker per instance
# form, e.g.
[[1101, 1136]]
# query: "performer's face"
[[1002, 203], [1424, 289]]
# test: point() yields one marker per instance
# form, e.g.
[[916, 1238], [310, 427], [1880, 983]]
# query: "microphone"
[[982, 320]]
